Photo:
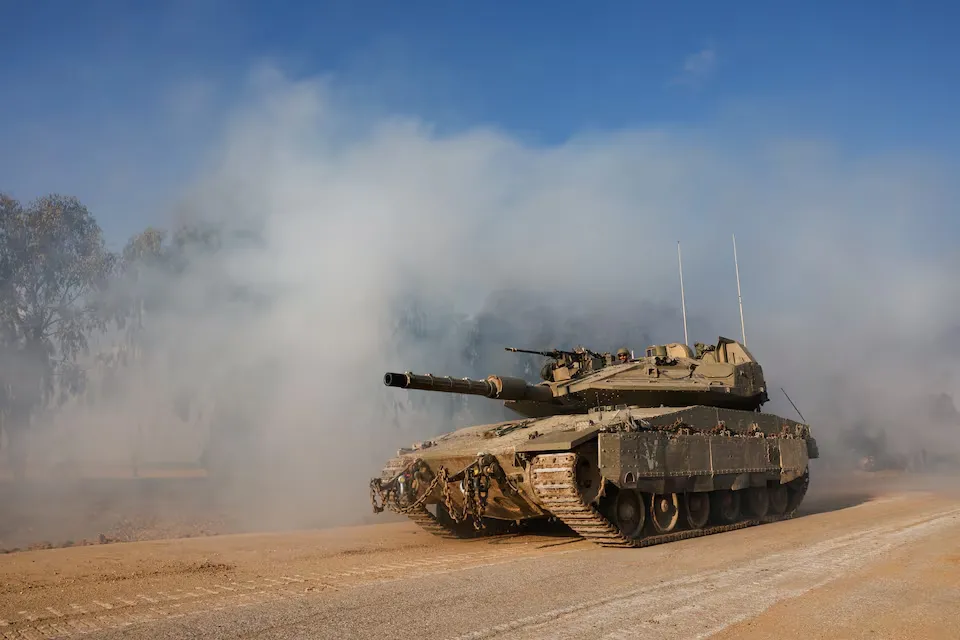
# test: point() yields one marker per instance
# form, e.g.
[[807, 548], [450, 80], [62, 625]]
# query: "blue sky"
[[140, 85]]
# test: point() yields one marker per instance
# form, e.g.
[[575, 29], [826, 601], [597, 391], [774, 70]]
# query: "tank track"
[[453, 531], [554, 482], [429, 523]]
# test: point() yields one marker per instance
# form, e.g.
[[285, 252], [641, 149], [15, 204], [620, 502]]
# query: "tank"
[[625, 451]]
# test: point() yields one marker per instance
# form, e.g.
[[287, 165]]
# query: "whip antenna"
[[683, 301], [794, 406], [743, 331]]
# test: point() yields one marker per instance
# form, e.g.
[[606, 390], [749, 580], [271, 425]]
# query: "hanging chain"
[[473, 483]]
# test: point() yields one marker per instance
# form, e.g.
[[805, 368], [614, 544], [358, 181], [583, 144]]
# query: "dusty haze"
[[387, 246]]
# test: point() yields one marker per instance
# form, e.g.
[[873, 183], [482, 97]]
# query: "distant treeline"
[[60, 287]]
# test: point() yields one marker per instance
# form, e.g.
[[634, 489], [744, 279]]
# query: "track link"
[[429, 523], [453, 530], [554, 482]]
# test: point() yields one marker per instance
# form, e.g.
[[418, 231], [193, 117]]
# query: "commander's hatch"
[[732, 352]]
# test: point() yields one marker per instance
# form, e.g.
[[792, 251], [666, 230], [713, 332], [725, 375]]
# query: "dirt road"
[[851, 566]]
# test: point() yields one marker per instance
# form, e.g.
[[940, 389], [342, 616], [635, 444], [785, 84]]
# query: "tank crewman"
[[623, 355]]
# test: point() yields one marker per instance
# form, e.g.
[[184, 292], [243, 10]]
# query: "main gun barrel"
[[496, 387]]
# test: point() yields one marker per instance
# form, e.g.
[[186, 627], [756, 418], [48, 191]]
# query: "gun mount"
[[568, 364]]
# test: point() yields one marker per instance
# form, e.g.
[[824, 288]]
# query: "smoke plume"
[[381, 245]]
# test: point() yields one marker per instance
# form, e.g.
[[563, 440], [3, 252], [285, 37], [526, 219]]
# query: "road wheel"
[[697, 509], [725, 506], [664, 512], [779, 498], [758, 501], [629, 513]]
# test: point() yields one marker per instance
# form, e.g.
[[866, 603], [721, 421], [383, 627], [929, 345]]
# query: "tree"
[[8, 208], [178, 295], [134, 291], [55, 270]]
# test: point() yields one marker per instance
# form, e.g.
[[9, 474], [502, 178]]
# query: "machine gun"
[[557, 354], [568, 364]]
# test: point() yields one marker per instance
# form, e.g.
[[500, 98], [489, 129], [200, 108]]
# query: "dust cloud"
[[359, 244]]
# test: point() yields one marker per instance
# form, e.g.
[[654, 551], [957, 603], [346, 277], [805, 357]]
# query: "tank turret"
[[724, 375]]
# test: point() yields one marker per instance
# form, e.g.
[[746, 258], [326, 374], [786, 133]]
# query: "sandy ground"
[[878, 560], [112, 505], [41, 514]]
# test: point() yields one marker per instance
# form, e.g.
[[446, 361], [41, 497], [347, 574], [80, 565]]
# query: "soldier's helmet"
[[623, 354]]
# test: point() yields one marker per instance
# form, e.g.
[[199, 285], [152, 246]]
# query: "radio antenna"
[[683, 301], [743, 331]]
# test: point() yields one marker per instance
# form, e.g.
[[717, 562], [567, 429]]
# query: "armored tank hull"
[[625, 476]]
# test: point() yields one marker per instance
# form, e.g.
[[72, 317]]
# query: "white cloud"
[[697, 67]]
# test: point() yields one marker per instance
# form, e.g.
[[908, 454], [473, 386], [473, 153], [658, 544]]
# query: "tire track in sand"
[[701, 605], [135, 607]]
